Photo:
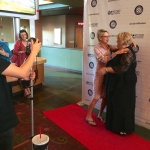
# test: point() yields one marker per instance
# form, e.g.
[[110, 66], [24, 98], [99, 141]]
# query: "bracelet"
[[106, 69], [111, 57]]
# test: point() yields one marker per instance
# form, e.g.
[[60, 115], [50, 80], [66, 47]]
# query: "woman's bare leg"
[[90, 109], [102, 107]]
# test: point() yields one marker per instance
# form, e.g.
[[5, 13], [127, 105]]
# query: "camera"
[[34, 39], [28, 50]]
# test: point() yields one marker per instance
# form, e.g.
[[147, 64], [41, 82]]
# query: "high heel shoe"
[[90, 122], [101, 118]]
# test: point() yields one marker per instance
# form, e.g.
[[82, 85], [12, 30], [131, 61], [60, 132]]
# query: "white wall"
[[48, 25]]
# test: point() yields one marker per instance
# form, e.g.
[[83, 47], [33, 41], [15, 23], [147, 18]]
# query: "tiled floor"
[[62, 88]]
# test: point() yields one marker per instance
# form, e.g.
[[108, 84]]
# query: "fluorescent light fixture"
[[43, 2]]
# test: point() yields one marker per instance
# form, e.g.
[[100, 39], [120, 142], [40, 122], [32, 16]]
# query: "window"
[[57, 36]]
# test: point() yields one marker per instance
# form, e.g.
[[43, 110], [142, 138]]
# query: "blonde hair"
[[100, 33], [125, 38]]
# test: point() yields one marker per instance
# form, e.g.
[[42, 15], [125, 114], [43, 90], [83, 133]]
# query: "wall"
[[25, 23], [71, 22], [61, 56], [38, 28], [65, 58], [48, 25], [67, 23], [6, 29]]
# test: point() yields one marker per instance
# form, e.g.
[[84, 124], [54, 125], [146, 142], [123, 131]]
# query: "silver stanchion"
[[32, 112], [32, 107]]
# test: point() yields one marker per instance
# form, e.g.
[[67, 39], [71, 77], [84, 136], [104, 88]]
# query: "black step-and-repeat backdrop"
[[119, 16]]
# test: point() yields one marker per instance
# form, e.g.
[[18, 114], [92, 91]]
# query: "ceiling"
[[61, 7]]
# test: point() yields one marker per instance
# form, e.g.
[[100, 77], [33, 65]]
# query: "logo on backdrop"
[[137, 36], [91, 55], [137, 73], [139, 61], [90, 92], [113, 36], [90, 74], [89, 83], [113, 24], [138, 10], [113, 12], [91, 65], [94, 14], [112, 0], [94, 3], [93, 25], [90, 45], [92, 35], [137, 23]]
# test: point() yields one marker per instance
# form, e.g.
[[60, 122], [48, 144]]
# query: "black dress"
[[120, 93]]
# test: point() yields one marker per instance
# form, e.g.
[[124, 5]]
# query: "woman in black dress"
[[120, 82]]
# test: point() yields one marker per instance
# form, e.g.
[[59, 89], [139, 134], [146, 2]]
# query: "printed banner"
[[117, 16]]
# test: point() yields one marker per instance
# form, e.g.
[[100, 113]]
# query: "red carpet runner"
[[71, 118]]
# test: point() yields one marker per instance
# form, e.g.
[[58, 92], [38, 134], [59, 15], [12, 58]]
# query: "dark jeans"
[[6, 139]]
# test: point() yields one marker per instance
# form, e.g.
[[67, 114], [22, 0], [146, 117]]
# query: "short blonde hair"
[[100, 33], [125, 38]]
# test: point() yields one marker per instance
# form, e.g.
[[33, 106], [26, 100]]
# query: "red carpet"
[[71, 118]]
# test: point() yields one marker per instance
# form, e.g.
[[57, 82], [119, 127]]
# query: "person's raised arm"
[[24, 69]]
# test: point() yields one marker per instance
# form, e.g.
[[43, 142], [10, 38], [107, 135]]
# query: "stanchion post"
[[32, 112]]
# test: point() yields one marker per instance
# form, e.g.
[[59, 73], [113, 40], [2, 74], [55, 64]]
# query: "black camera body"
[[34, 39], [28, 49]]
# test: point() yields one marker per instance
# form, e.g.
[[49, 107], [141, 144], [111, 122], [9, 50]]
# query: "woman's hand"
[[35, 46], [134, 44], [122, 51], [112, 47], [2, 52], [32, 75], [103, 70]]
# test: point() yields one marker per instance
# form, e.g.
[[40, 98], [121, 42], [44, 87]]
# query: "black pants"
[[6, 139]]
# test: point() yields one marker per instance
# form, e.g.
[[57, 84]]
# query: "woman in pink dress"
[[20, 51], [103, 55], [20, 48]]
